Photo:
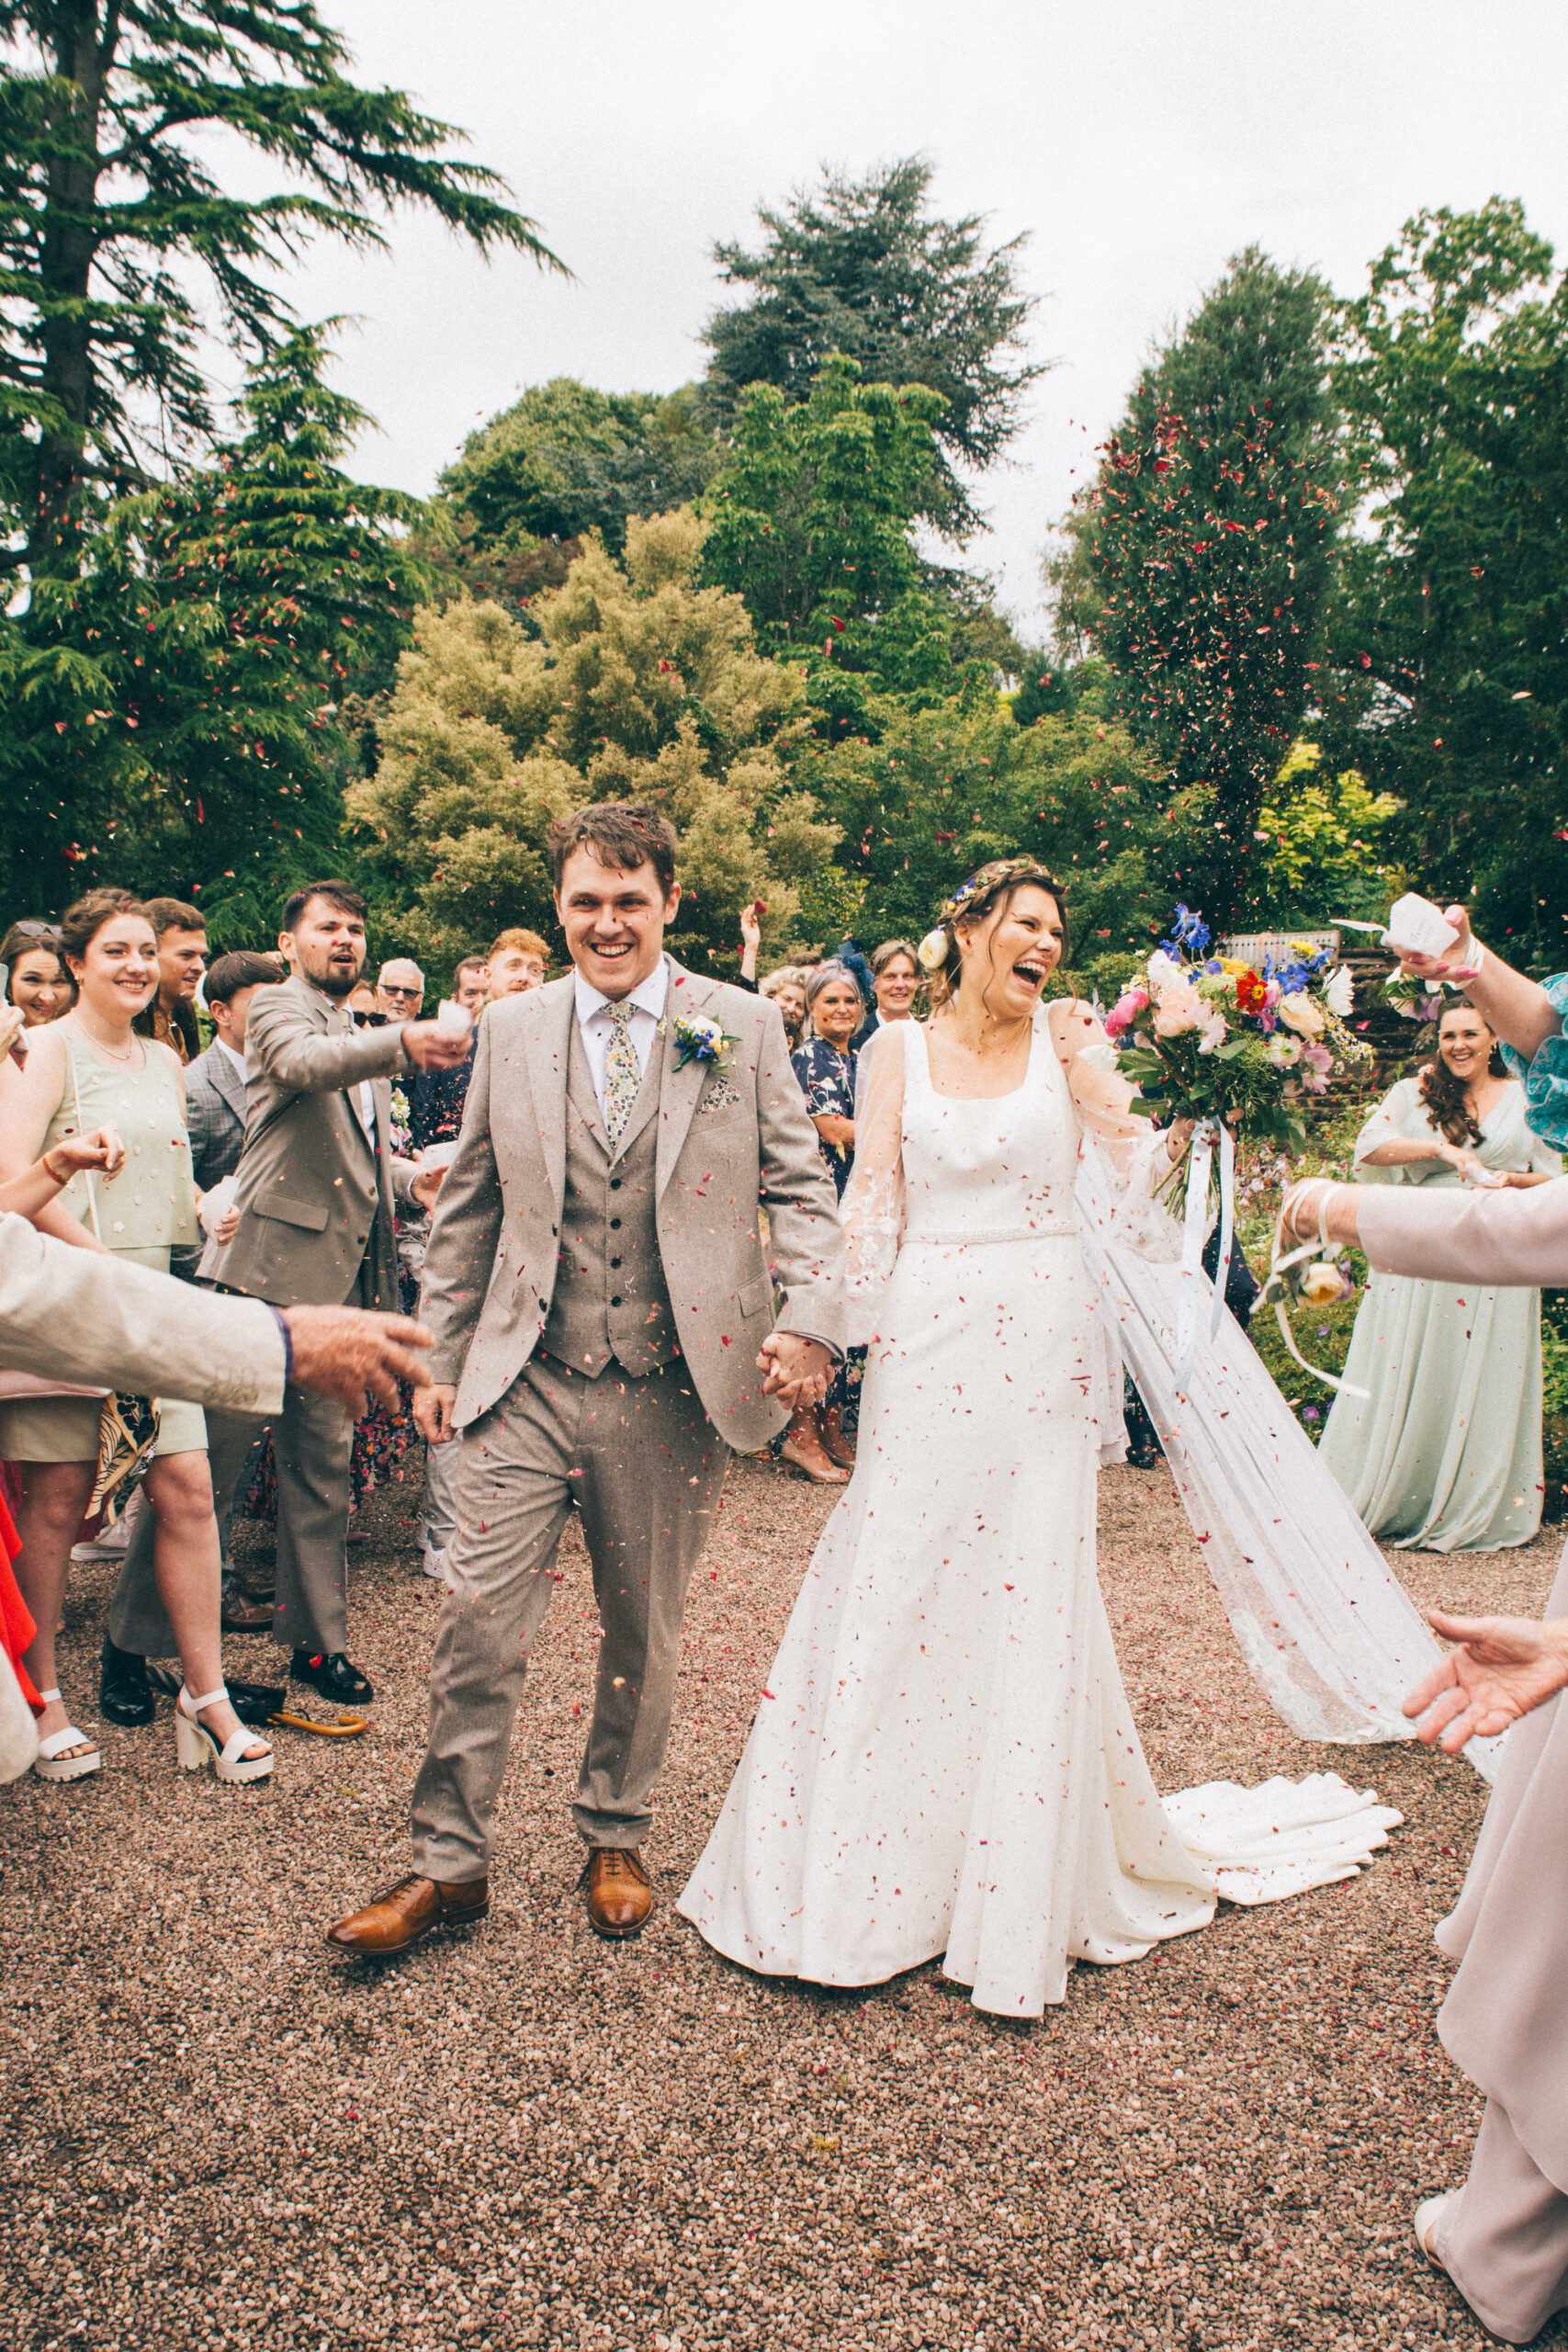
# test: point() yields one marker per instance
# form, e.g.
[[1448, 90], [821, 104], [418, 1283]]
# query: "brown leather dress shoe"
[[620, 1893], [400, 1915], [242, 1615]]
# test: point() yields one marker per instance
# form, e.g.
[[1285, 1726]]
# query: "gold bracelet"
[[59, 1182]]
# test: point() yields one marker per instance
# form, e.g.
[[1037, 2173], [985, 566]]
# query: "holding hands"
[[799, 1371]]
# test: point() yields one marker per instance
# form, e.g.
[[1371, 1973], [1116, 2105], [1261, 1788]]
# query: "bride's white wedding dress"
[[943, 1758]]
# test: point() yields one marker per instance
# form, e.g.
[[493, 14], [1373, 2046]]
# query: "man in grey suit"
[[604, 1311], [313, 1224]]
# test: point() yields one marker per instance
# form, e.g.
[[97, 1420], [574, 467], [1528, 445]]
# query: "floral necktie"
[[622, 1075]]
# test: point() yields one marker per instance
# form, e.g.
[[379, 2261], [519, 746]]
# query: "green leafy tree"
[[638, 683], [111, 213], [1327, 844], [864, 268], [945, 790], [176, 710], [1208, 551], [566, 459], [813, 522], [1450, 687]]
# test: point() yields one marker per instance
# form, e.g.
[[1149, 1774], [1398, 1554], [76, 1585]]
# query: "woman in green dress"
[[87, 1072], [1443, 1451]]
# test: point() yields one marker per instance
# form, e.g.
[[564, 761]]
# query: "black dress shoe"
[[123, 1693], [332, 1676]]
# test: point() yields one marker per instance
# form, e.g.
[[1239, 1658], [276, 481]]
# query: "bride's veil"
[[1324, 1626]]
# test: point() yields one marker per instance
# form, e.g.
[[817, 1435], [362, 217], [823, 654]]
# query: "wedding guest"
[[400, 989], [820, 1440], [895, 978], [787, 987], [314, 1220], [518, 961], [1503, 2237], [439, 1094], [750, 941], [1443, 1452], [182, 959], [91, 1070], [37, 981], [363, 1009], [439, 1098], [215, 1083]]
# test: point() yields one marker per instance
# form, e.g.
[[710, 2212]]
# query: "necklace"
[[98, 1045]]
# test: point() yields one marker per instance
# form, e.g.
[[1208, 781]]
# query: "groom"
[[603, 1310]]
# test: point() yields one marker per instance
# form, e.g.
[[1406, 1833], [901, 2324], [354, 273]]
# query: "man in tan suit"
[[605, 1335], [317, 1180]]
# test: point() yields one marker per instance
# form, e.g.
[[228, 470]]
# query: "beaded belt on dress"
[[945, 1239]]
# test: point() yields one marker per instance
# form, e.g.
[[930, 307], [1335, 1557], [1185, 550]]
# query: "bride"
[[944, 1759]]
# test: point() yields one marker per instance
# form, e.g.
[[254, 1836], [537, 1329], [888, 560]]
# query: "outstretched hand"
[[342, 1352], [1460, 962], [429, 1047], [1502, 1667], [799, 1371]]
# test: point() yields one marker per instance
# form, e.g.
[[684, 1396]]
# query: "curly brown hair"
[[1443, 1093], [993, 886]]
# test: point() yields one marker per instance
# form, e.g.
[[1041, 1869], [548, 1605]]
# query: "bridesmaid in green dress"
[[1443, 1453]]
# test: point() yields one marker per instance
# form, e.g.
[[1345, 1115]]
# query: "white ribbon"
[[1195, 1226], [1294, 1258]]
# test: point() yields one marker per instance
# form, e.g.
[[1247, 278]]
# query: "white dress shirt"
[[238, 1059], [594, 1026]]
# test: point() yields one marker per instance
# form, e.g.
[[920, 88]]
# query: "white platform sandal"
[[196, 1747], [51, 1764]]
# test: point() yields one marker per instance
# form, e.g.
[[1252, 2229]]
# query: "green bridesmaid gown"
[[1443, 1453]]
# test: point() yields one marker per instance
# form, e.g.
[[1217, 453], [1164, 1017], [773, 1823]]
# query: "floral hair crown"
[[933, 950]]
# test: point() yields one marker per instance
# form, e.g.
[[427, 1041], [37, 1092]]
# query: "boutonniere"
[[700, 1039]]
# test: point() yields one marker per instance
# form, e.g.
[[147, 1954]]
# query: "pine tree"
[[108, 211], [866, 268]]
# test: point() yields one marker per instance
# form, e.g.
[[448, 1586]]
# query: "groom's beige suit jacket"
[[733, 1134]]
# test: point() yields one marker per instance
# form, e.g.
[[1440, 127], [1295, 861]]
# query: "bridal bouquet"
[[1207, 1036]]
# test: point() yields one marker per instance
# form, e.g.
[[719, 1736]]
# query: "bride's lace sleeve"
[[872, 1206], [1131, 1159]]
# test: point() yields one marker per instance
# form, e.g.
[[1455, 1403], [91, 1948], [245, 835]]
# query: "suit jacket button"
[[615, 1225], [615, 1261], [615, 1184], [615, 1302]]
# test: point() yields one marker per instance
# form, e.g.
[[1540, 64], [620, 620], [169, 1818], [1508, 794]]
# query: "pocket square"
[[719, 1095]]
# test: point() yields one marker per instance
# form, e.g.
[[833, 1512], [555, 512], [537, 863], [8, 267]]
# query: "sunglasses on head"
[[48, 934]]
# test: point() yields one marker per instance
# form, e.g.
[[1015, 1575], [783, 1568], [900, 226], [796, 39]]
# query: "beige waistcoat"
[[610, 1297]]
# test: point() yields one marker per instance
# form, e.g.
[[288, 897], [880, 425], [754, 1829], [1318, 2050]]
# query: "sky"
[[1138, 145]]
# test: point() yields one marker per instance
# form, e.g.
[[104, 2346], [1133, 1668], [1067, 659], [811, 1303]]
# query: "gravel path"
[[215, 2138]]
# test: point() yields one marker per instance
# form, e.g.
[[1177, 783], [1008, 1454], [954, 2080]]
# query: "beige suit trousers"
[[645, 1468]]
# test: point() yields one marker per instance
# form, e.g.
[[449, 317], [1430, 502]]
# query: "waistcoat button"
[[615, 1225], [615, 1302]]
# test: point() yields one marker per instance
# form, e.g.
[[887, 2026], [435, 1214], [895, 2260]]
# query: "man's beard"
[[336, 980]]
